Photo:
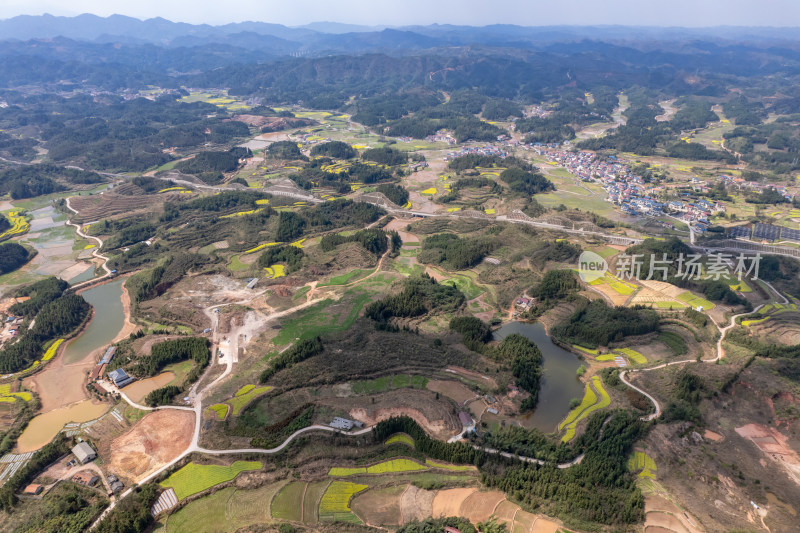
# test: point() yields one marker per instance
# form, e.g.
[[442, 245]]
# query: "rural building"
[[86, 478], [465, 419], [120, 377], [345, 424], [252, 283], [84, 452], [97, 372], [114, 483], [33, 490], [492, 411], [108, 356]]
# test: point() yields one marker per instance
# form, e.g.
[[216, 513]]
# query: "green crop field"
[[288, 503], [319, 320], [245, 395], [588, 405], [237, 266], [314, 492], [400, 438], [335, 503], [465, 285], [251, 506], [344, 279], [386, 383], [632, 355], [447, 466], [206, 515], [392, 466], [194, 478], [695, 301]]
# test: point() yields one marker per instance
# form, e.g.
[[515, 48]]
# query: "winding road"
[[95, 253], [623, 376]]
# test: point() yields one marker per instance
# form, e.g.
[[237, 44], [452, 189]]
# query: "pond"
[[559, 383], [109, 317]]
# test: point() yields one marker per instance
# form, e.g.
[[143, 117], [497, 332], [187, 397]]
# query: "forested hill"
[[505, 61]]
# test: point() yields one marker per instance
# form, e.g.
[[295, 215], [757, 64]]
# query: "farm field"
[[386, 467], [594, 398], [386, 383], [335, 503], [287, 504], [643, 464], [245, 395], [695, 301], [194, 478], [400, 438]]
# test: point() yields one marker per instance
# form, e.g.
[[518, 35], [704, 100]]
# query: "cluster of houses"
[[587, 165], [441, 136], [11, 326], [739, 183], [487, 149], [696, 212], [627, 190], [83, 454]]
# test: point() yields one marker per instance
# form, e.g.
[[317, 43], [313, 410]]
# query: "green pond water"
[[559, 382], [108, 320]]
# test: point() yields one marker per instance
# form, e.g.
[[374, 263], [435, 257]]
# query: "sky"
[[688, 13]]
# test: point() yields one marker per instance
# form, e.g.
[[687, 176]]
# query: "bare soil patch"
[[454, 390], [667, 521], [542, 525], [479, 506], [157, 439], [775, 445], [448, 502], [379, 507], [416, 504]]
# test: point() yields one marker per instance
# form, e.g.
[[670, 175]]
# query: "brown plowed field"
[[479, 506], [416, 504], [448, 502], [380, 507]]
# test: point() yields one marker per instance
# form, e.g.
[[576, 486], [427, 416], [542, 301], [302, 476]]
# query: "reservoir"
[[559, 382], [109, 317]]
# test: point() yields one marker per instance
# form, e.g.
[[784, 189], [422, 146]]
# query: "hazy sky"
[[403, 12]]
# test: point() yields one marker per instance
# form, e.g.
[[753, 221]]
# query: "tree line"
[[454, 252], [301, 351], [172, 351], [596, 324], [57, 314], [13, 256], [420, 295]]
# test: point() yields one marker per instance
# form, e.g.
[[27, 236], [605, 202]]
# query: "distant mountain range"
[[321, 38]]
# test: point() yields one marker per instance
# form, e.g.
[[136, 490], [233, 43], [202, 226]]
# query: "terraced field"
[[387, 467], [400, 438], [643, 464], [19, 225], [381, 494], [194, 478], [594, 398], [244, 396], [335, 503]]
